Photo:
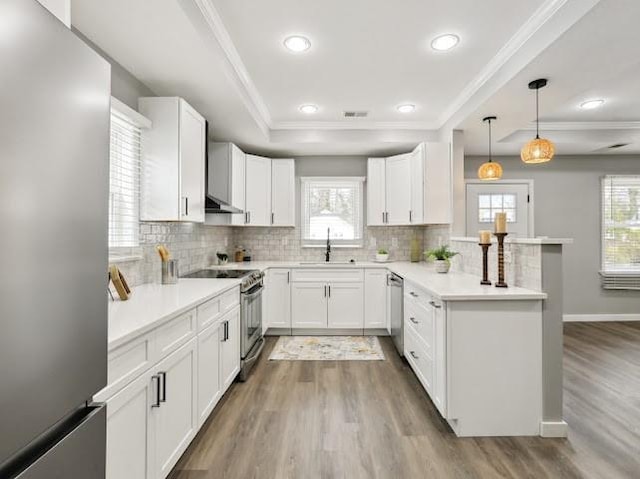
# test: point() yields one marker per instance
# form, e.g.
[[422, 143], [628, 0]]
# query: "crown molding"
[[585, 125], [352, 125], [549, 22], [252, 97]]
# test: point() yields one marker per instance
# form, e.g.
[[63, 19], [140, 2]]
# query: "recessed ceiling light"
[[308, 109], [445, 42], [591, 104], [297, 43], [406, 108]]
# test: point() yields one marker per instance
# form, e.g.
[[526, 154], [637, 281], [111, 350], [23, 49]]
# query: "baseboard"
[[584, 318], [554, 429]]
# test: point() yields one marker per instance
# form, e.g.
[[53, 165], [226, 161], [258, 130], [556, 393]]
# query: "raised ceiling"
[[226, 57]]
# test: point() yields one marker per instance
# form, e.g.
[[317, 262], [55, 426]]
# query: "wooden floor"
[[372, 419]]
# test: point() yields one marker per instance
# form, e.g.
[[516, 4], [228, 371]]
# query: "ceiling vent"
[[617, 145], [355, 114]]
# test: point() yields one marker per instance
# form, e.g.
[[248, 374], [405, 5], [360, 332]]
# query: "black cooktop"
[[219, 273]]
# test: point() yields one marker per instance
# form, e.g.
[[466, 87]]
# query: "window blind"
[[621, 231], [333, 206], [124, 182]]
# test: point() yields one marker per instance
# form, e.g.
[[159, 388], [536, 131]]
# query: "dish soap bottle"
[[415, 250]]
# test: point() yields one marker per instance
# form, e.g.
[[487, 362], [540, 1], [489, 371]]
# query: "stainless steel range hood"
[[225, 179]]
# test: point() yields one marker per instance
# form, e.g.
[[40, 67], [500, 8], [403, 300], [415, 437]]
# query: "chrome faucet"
[[327, 254]]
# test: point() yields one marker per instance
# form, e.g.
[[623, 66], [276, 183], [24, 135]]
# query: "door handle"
[[163, 376], [413, 354], [273, 215], [413, 320], [156, 377], [288, 276], [226, 330], [413, 294], [186, 206], [325, 290], [435, 305], [329, 290], [410, 216]]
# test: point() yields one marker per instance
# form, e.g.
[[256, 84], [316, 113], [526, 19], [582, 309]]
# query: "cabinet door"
[[238, 183], [440, 358], [375, 298], [346, 305], [176, 420], [376, 192], [209, 388], [258, 191], [278, 298], [230, 348], [192, 163], [283, 185], [417, 185], [130, 431], [309, 305], [398, 189], [438, 193]]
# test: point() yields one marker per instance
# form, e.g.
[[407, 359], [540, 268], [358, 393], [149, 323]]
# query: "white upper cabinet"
[[283, 192], [398, 189], [173, 166], [413, 188], [376, 193], [258, 191]]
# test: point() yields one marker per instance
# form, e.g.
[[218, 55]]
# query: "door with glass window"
[[484, 200]]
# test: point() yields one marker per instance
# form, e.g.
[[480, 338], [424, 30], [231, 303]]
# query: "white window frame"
[[309, 243], [614, 277], [131, 252]]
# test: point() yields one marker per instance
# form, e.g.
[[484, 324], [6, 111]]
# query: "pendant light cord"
[[490, 158], [537, 115]]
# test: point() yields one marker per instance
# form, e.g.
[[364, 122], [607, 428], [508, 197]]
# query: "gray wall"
[[124, 86], [567, 205]]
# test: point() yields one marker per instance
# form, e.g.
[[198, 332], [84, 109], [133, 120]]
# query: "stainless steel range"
[[251, 340]]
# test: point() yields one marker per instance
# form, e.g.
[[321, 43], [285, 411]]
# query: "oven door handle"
[[249, 295]]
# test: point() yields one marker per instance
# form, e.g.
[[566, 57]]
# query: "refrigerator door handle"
[[163, 376], [156, 378]]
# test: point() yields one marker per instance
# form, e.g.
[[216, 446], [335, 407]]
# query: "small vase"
[[442, 265], [382, 258]]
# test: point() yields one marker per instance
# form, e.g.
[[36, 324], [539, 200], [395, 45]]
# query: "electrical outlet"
[[394, 242], [507, 257]]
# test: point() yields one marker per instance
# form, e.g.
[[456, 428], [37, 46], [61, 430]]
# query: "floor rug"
[[327, 348]]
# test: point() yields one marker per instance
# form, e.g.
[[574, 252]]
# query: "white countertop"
[[515, 240], [152, 304], [452, 286]]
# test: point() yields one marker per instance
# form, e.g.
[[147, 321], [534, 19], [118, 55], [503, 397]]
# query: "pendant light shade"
[[490, 170], [538, 150]]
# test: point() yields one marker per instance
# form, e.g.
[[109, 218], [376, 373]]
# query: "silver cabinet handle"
[[413, 294], [273, 215], [410, 216], [413, 320], [288, 276], [156, 378], [186, 206], [329, 290], [435, 305], [325, 290], [413, 354]]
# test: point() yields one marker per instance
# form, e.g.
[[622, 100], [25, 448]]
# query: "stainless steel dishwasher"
[[396, 285]]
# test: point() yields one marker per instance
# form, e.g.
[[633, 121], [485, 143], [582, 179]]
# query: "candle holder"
[[485, 263], [501, 283]]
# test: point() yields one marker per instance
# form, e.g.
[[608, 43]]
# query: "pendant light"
[[491, 170], [538, 150]]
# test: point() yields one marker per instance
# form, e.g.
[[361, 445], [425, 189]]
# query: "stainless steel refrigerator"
[[54, 171]]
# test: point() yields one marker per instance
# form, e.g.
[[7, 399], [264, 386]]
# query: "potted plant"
[[382, 255], [441, 257]]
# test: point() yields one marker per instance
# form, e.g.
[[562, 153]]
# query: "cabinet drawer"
[[421, 320], [175, 333], [331, 275], [126, 363], [417, 294], [213, 309], [416, 353]]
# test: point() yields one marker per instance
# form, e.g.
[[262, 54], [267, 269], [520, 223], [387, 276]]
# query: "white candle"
[[485, 237], [501, 223]]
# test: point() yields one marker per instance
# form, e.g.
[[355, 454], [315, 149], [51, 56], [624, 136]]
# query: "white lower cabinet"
[[375, 299], [175, 417], [440, 358], [277, 298], [309, 305], [230, 348], [345, 305], [209, 384], [130, 433]]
